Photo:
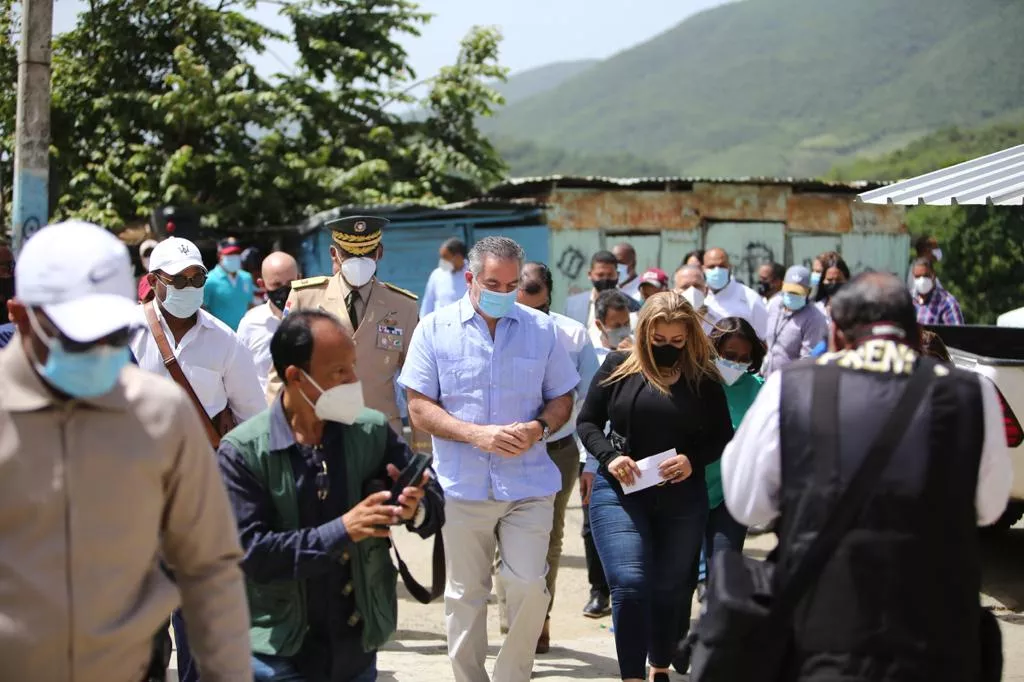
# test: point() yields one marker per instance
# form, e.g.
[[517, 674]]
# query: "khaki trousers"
[[472, 531]]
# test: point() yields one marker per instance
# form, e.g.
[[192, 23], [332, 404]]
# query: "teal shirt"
[[740, 396], [226, 300]]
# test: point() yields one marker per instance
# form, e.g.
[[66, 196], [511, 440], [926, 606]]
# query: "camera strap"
[[420, 593]]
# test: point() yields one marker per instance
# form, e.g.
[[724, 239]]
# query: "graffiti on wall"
[[570, 262], [755, 255]]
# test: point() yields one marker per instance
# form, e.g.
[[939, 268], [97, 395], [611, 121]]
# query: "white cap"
[[147, 245], [173, 255], [81, 277]]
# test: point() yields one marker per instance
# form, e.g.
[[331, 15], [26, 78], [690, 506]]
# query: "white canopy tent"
[[996, 179]]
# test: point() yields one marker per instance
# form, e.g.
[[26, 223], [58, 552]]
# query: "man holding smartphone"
[[310, 481]]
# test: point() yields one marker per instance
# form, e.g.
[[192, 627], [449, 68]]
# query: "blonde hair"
[[697, 360]]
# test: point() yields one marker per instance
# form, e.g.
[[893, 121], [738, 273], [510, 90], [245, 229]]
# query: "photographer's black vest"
[[899, 598]]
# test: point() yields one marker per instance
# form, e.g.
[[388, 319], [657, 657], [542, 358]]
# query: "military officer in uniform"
[[380, 316]]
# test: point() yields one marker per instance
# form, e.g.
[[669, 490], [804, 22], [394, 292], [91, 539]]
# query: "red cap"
[[655, 277]]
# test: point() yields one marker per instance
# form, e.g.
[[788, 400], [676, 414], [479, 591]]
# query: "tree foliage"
[[156, 102]]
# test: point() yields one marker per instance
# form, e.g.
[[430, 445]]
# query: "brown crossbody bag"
[[221, 423]]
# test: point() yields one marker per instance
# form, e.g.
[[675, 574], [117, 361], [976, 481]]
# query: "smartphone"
[[410, 476]]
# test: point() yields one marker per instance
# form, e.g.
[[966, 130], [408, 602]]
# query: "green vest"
[[278, 609]]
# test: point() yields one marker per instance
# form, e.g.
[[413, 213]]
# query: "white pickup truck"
[[997, 353]]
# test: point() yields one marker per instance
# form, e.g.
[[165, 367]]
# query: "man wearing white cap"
[[202, 354], [104, 470]]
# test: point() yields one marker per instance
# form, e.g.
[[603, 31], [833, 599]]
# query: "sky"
[[536, 32]]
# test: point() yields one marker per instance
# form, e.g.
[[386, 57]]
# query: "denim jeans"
[[188, 671], [648, 542], [281, 669]]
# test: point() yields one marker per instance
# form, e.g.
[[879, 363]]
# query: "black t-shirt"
[[693, 422]]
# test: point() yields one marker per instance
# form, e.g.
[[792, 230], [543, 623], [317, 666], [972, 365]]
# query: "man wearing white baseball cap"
[[203, 356], [103, 471]]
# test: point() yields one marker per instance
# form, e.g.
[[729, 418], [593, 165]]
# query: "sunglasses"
[[197, 280], [119, 338]]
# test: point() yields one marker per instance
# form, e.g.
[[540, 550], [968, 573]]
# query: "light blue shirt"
[[442, 289], [453, 360], [574, 338], [228, 297]]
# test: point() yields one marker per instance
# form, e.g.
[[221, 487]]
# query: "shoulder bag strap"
[[851, 502], [174, 369], [438, 577]]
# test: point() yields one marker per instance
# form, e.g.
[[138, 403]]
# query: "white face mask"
[[937, 253], [731, 371], [695, 296], [182, 303], [342, 404], [445, 266], [358, 271], [623, 271], [923, 285]]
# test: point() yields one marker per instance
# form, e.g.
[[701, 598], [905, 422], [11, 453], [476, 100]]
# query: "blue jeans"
[[188, 671], [648, 543], [281, 669]]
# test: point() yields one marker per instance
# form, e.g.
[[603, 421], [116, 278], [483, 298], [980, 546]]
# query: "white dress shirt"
[[443, 288], [632, 289], [739, 300], [255, 331], [217, 365], [751, 463], [576, 342]]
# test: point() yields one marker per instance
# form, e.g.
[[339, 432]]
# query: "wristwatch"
[[544, 425]]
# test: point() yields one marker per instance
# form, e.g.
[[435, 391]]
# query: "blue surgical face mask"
[[495, 304], [79, 375], [232, 263], [793, 301], [182, 303], [815, 279], [717, 278]]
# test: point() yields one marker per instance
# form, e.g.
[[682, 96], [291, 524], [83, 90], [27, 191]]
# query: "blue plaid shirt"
[[940, 307], [453, 359]]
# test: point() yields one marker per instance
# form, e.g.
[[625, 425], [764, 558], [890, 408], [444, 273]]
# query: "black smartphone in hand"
[[411, 475]]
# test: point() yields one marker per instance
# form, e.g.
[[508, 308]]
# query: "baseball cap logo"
[[183, 248], [102, 272]]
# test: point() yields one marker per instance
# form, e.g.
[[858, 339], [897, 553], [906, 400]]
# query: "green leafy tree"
[[155, 102]]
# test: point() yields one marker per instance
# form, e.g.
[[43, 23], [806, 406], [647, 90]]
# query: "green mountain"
[[526, 84], [526, 159], [942, 149], [787, 87]]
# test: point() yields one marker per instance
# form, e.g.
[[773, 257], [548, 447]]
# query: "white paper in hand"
[[649, 474]]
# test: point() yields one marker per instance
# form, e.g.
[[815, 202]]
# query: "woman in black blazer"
[[663, 395]]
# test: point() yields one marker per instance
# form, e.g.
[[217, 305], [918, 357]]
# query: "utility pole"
[[32, 141]]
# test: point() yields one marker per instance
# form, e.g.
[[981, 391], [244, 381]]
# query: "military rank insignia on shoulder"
[[309, 282], [400, 290]]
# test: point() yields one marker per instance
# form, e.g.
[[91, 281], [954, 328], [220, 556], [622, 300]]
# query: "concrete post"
[[32, 144]]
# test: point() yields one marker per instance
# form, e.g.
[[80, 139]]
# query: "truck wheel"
[[1014, 512]]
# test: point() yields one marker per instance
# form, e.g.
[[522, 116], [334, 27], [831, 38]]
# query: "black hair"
[[292, 343], [922, 243], [728, 327], [543, 272], [455, 246], [606, 257], [613, 299], [698, 254], [871, 298], [778, 271]]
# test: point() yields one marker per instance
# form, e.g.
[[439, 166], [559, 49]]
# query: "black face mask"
[[666, 356], [764, 288], [280, 296], [826, 291], [604, 284]]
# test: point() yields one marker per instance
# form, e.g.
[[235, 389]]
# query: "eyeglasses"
[[322, 482], [197, 280], [116, 339]]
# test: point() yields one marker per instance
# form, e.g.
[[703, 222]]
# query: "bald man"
[[689, 281], [629, 283], [729, 298], [277, 273]]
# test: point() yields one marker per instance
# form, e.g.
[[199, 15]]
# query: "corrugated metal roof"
[[488, 207], [529, 185], [996, 179]]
